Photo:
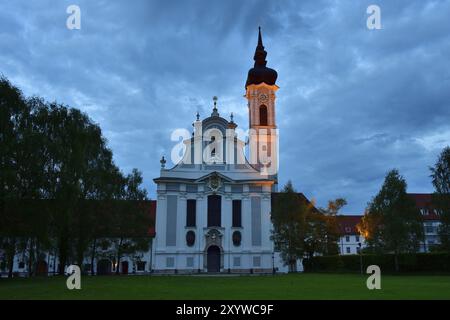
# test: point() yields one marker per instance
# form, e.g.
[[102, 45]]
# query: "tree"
[[131, 219], [80, 168], [332, 227], [392, 221], [440, 175], [20, 171], [323, 229], [289, 218], [370, 227], [56, 154]]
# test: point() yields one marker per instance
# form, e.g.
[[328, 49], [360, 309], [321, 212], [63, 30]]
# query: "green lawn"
[[293, 286]]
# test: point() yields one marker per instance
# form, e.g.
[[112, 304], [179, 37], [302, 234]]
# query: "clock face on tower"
[[263, 98]]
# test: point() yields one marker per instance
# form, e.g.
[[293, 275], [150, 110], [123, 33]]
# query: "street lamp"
[[360, 258]]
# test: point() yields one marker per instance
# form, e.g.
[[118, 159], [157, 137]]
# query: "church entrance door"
[[213, 259]]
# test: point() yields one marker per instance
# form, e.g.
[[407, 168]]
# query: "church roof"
[[260, 73]]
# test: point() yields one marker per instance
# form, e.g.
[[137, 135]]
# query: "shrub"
[[418, 262]]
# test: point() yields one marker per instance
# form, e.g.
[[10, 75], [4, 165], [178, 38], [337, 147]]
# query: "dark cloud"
[[353, 103]]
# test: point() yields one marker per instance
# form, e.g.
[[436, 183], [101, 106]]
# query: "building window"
[[237, 213], [170, 262], [348, 250], [141, 265], [190, 238], [357, 238], [263, 115], [347, 238], [236, 261], [214, 210], [256, 261], [190, 212], [21, 265], [190, 262], [237, 237], [358, 250]]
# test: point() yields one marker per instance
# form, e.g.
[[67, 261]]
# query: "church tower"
[[260, 93]]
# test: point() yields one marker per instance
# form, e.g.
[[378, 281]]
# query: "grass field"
[[293, 286]]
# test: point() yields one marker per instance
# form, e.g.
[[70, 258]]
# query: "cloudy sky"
[[353, 103]]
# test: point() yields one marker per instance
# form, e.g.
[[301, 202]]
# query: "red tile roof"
[[424, 204], [152, 212], [347, 223]]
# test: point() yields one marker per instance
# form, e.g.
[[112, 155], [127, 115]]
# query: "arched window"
[[262, 115]]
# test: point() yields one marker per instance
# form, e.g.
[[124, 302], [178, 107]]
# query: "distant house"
[[431, 220], [350, 241]]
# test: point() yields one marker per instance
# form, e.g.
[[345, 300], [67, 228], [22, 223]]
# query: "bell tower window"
[[262, 115]]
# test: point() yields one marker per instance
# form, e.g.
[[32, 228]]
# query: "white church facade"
[[213, 207]]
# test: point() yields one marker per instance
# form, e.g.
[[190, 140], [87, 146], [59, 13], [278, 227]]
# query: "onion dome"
[[260, 73]]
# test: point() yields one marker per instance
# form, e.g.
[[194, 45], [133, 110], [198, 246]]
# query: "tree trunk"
[[119, 249], [36, 261], [94, 248], [10, 256], [80, 253], [62, 254], [54, 261], [397, 267], [30, 258]]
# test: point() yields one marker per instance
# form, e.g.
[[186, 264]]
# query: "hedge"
[[418, 262]]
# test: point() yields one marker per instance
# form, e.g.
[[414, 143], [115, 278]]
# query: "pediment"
[[214, 175]]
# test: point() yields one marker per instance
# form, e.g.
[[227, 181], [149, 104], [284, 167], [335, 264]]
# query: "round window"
[[237, 238], [190, 238]]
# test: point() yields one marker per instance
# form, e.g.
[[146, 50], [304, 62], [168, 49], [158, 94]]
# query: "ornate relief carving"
[[213, 238], [214, 183]]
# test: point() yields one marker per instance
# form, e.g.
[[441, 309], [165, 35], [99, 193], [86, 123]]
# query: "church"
[[213, 207]]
